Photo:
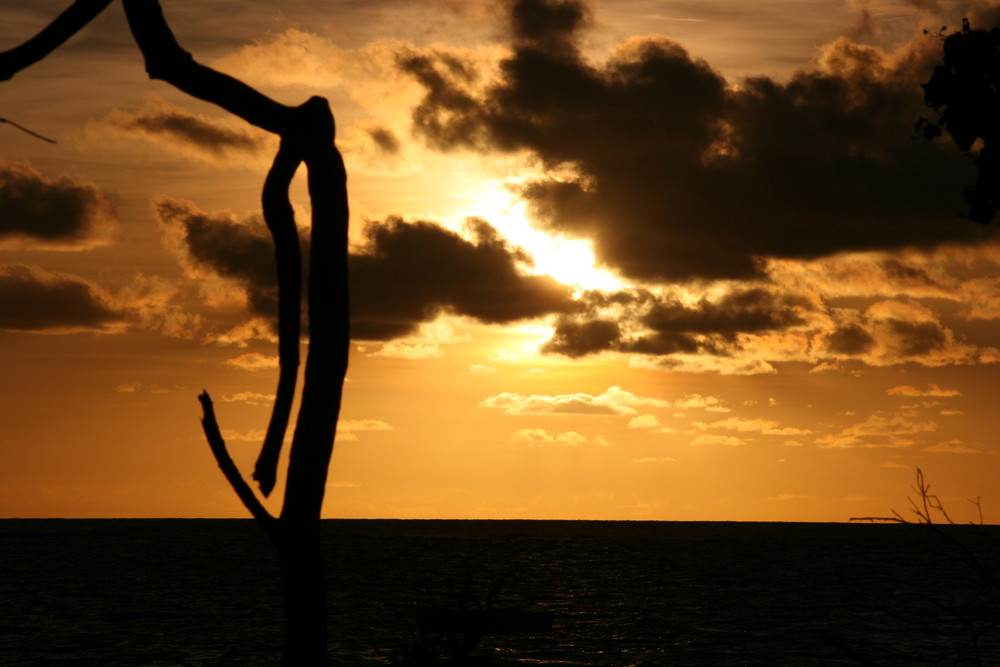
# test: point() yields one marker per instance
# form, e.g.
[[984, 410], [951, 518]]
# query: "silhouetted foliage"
[[965, 89]]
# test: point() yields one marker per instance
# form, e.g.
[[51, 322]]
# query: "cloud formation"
[[664, 325], [538, 437], [649, 422], [614, 401], [204, 138], [675, 173], [40, 212], [881, 429], [761, 426], [409, 272], [33, 299], [217, 244], [253, 361], [932, 390], [405, 274], [745, 327]]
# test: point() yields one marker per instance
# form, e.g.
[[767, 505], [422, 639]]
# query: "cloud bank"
[[676, 174]]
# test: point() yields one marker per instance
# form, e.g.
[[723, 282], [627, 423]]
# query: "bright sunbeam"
[[570, 261]]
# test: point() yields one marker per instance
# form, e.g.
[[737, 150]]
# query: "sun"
[[570, 261]]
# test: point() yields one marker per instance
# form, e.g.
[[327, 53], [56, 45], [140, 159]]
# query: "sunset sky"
[[611, 260]]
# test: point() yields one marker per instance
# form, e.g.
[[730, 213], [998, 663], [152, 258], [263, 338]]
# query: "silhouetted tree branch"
[[280, 219], [924, 509], [24, 129], [50, 38], [307, 135], [167, 61], [218, 446]]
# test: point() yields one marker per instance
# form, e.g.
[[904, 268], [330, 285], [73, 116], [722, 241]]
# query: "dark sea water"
[[206, 592]]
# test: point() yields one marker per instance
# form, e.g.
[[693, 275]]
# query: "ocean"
[[159, 592]]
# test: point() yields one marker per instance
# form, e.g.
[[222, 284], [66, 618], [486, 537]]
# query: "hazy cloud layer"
[[37, 211], [35, 300], [675, 173]]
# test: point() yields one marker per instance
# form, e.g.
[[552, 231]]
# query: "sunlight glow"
[[570, 261]]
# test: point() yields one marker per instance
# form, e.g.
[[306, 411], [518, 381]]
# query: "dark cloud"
[[203, 137], [848, 341], [650, 324], [680, 175], [551, 25], [241, 250], [751, 310], [907, 276], [44, 212], [407, 272], [918, 339], [32, 299], [575, 338], [386, 141], [411, 271]]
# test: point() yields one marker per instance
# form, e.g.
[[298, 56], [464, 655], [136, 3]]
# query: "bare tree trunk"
[[300, 554], [307, 135]]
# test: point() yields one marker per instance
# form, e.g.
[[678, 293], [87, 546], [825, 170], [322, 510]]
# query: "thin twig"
[[24, 129]]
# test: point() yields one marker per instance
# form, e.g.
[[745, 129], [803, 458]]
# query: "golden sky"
[[615, 260]]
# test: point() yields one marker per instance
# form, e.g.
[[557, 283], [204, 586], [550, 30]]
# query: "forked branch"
[[166, 60]]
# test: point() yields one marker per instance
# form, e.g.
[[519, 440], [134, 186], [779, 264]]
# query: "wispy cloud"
[[881, 429], [761, 426], [954, 447], [932, 390], [253, 361], [249, 397], [537, 437], [711, 439], [614, 401], [651, 423], [203, 138]]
